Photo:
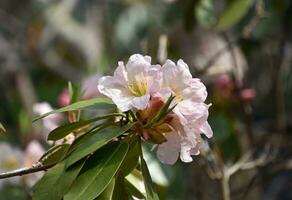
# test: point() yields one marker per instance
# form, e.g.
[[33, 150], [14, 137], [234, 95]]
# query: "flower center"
[[138, 88]]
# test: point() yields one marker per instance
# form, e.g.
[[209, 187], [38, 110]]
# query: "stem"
[[24, 171], [225, 187], [140, 148]]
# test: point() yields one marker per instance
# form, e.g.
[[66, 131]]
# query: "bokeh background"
[[241, 49]]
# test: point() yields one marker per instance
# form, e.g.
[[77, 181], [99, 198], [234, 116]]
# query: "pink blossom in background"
[[50, 122], [32, 154], [247, 94], [11, 158], [64, 98], [88, 87]]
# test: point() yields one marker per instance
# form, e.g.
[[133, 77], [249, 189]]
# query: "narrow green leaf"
[[101, 103], [75, 94], [151, 194], [2, 129], [66, 129], [233, 13], [135, 184], [56, 182], [83, 138], [70, 90], [107, 194], [133, 190], [96, 141], [120, 192], [98, 172], [132, 157], [162, 113], [54, 154]]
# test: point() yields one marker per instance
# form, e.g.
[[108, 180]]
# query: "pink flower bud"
[[247, 94], [64, 99]]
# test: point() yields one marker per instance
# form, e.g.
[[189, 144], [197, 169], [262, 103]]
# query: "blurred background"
[[241, 49]]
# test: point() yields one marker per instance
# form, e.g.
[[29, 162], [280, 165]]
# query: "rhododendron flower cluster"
[[146, 89]]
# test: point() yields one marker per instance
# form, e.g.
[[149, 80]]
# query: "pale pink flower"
[[33, 153], [133, 84], [88, 87], [50, 122], [11, 158], [191, 111]]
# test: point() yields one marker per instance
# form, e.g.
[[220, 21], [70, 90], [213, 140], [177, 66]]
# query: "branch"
[[24, 171]]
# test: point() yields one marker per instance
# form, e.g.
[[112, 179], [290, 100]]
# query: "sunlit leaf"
[[100, 103], [234, 12], [134, 190], [151, 194], [2, 129], [56, 182], [98, 172], [66, 129], [95, 141]]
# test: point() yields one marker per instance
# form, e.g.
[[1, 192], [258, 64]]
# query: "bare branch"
[[24, 171]]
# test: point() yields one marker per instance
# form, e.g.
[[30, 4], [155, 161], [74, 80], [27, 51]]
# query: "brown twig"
[[24, 171]]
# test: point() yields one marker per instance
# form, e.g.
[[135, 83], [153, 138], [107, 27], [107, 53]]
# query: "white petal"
[[118, 93], [190, 112], [141, 102], [164, 93], [137, 68], [185, 154], [148, 59], [196, 151], [120, 74], [168, 152], [206, 129], [184, 68], [195, 90], [177, 77]]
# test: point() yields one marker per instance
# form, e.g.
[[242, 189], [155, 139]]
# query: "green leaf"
[[233, 13], [75, 94], [205, 13], [108, 192], [162, 113], [70, 90], [151, 194], [95, 141], [54, 154], [133, 184], [132, 157], [98, 172], [133, 190], [66, 129], [101, 103], [56, 182], [2, 129], [120, 192]]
